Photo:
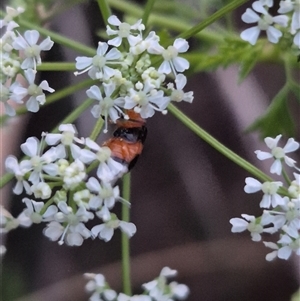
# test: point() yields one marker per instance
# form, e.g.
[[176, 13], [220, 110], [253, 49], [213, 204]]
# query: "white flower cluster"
[[54, 173], [281, 213], [128, 79], [20, 55], [273, 25], [67, 198], [158, 289]]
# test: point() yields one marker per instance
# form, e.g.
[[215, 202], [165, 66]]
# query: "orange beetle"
[[128, 141]]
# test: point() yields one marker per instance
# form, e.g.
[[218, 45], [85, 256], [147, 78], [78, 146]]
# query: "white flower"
[[294, 188], [67, 139], [271, 197], [35, 93], [172, 62], [19, 170], [160, 290], [32, 51], [249, 223], [74, 174], [149, 43], [97, 66], [41, 190], [107, 106], [131, 32], [104, 194], [108, 169], [8, 19], [278, 153], [6, 94], [284, 248], [265, 22], [287, 6], [82, 197], [98, 286], [74, 231], [179, 291], [38, 163], [32, 214], [178, 94], [271, 256], [288, 245], [153, 78], [106, 231], [7, 221], [145, 100], [287, 215]]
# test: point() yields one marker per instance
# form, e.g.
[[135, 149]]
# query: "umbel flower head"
[[127, 78], [281, 213], [159, 289], [20, 56], [55, 172]]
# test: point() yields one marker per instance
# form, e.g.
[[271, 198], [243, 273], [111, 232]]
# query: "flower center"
[[34, 90], [177, 95], [124, 30], [107, 103], [99, 61], [265, 22], [170, 53], [269, 188], [67, 138], [32, 51], [104, 154], [106, 192], [36, 163], [278, 152], [140, 98]]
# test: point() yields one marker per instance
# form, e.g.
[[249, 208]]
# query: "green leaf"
[[248, 63], [277, 119]]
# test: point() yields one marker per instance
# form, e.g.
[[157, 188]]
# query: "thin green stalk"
[[57, 66], [125, 238], [104, 9], [81, 48], [286, 177], [218, 146], [97, 129], [164, 21], [211, 19], [147, 11]]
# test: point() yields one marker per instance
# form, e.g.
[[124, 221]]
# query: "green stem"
[[214, 17], [104, 9], [56, 66], [125, 238], [97, 129], [217, 145], [286, 177], [162, 21], [147, 11], [81, 48]]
